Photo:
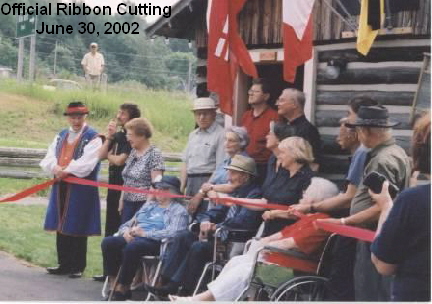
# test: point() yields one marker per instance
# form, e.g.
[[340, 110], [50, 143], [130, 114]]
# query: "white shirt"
[[93, 63], [80, 167]]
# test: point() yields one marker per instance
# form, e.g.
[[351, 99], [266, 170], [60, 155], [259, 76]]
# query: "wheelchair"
[[307, 284], [236, 241], [150, 266]]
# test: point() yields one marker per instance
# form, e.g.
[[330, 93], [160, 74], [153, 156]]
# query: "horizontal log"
[[385, 98], [389, 75], [330, 146], [13, 152], [22, 174], [331, 119], [22, 152], [376, 54]]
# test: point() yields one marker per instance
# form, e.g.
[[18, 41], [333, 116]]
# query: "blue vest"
[[81, 207]]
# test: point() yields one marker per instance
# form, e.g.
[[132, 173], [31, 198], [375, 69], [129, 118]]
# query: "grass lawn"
[[32, 116], [23, 236]]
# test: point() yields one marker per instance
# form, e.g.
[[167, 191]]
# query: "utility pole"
[[188, 88], [20, 59], [55, 59], [32, 63]]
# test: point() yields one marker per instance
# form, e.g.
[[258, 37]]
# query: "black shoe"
[[163, 291], [99, 278], [75, 275], [58, 270], [119, 296]]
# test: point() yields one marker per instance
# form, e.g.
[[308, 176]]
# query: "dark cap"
[[167, 181], [374, 117]]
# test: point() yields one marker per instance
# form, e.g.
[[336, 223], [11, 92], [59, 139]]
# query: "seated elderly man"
[[302, 235], [189, 253], [159, 218]]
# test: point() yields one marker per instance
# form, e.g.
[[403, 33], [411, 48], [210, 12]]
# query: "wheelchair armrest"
[[291, 252], [238, 234], [194, 227]]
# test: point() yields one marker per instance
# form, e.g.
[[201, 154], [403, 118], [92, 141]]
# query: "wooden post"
[[32, 62]]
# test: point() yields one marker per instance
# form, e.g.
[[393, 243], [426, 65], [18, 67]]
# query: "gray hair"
[[299, 96], [321, 189], [241, 133]]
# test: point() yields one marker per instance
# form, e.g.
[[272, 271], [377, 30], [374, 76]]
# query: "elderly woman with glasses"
[[143, 166], [161, 217], [236, 141]]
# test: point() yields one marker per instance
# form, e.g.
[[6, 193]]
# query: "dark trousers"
[[113, 218], [117, 252], [129, 210], [340, 286], [185, 259], [71, 252]]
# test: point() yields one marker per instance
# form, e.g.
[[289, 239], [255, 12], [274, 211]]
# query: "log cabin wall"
[[389, 74]]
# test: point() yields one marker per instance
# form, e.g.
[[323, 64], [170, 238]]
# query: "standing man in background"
[[93, 65], [116, 149], [257, 123], [73, 210], [204, 151]]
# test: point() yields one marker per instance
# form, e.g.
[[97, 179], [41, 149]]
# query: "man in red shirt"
[[257, 123]]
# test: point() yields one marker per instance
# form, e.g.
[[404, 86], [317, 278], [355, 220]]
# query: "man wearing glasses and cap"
[[93, 65], [73, 210]]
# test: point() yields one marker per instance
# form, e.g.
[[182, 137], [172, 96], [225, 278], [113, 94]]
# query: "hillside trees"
[[128, 57]]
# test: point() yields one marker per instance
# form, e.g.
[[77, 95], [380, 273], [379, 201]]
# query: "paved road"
[[20, 281]]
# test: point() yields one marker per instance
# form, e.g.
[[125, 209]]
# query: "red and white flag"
[[297, 35], [226, 51]]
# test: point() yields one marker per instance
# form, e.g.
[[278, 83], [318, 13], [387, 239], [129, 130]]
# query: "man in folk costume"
[[73, 210]]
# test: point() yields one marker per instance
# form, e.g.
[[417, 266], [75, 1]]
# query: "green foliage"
[[128, 56], [35, 115]]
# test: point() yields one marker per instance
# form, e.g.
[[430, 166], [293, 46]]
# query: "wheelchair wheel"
[[305, 288]]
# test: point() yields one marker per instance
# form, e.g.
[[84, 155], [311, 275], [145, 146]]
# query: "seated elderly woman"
[[288, 174], [162, 217], [302, 235], [236, 141]]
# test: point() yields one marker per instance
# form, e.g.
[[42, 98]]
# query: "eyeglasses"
[[254, 92]]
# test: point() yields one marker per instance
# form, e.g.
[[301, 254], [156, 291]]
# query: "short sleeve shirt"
[[258, 127], [391, 161], [205, 150], [356, 168], [93, 63], [119, 145], [405, 240], [137, 172]]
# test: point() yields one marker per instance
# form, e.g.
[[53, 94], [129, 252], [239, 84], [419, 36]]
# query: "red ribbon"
[[349, 231], [28, 192]]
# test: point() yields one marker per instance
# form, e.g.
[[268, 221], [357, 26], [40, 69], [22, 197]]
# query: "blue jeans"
[[129, 210]]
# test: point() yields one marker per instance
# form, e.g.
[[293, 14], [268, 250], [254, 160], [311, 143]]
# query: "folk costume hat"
[[243, 164], [374, 117], [76, 108], [204, 103]]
